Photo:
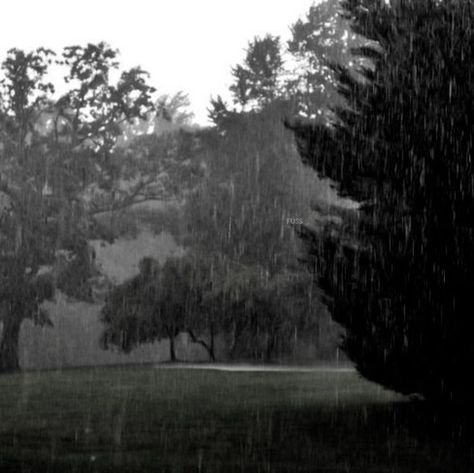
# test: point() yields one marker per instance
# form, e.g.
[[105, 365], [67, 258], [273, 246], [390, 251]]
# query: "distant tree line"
[[241, 280], [206, 299]]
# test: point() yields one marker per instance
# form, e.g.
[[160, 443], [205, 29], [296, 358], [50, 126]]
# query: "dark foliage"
[[148, 308], [399, 274], [52, 153]]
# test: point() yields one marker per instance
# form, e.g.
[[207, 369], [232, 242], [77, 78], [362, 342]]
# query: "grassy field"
[[145, 419]]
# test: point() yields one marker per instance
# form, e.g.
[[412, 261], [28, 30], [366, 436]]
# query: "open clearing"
[[144, 419]]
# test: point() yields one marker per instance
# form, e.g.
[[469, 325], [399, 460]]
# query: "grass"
[[144, 419]]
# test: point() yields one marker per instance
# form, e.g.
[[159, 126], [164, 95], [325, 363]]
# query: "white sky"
[[187, 45]]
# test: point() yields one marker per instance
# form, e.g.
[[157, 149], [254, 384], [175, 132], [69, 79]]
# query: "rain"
[[237, 238]]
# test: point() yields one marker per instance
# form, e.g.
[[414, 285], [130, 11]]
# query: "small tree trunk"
[[233, 344], [172, 348], [236, 333], [209, 347], [9, 345], [270, 347], [212, 354]]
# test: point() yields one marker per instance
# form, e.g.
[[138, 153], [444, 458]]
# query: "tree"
[[24, 209], [51, 153], [254, 190], [252, 187], [256, 81], [204, 298], [152, 306], [225, 301], [398, 273], [241, 218], [173, 109], [171, 113], [205, 315], [323, 38], [266, 315], [182, 295]]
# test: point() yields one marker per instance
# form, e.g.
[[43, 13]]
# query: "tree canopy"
[[398, 271], [56, 171]]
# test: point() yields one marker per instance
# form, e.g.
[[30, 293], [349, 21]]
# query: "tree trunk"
[[209, 347], [172, 348], [212, 354], [270, 347], [9, 362], [236, 333]]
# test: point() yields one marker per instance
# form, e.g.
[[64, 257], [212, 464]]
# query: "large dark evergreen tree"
[[399, 272]]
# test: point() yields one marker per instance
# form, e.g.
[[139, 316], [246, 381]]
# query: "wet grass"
[[143, 419]]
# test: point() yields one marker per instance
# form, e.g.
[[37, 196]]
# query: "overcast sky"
[[187, 45]]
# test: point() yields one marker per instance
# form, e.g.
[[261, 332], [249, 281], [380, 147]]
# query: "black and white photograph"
[[237, 236]]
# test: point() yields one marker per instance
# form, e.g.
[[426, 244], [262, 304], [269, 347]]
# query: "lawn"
[[147, 419]]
